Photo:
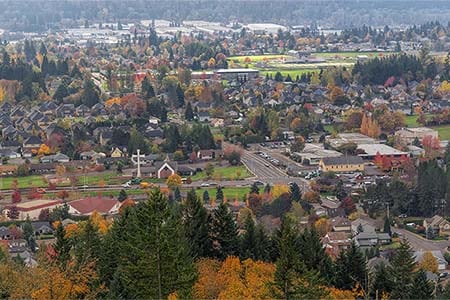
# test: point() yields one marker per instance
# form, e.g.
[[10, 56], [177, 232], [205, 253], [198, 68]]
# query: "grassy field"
[[257, 58], [292, 73], [229, 192], [22, 182], [443, 130], [225, 173]]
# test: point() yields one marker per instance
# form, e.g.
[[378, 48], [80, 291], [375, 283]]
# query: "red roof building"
[[87, 206]]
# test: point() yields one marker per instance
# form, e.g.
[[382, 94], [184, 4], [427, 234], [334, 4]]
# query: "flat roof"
[[35, 204], [237, 71], [373, 149], [420, 129]]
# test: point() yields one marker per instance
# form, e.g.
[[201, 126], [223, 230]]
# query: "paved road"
[[268, 173], [420, 243]]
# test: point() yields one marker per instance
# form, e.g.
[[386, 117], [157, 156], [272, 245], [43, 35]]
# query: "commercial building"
[[342, 164], [408, 135], [237, 74], [369, 151]]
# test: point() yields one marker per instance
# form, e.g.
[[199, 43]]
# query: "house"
[[342, 164], [440, 225], [366, 240], [332, 207], [203, 116], [42, 168], [33, 208], [118, 153], [361, 225], [442, 263], [56, 158], [7, 153], [335, 242], [340, 224], [209, 154], [65, 110], [33, 142], [41, 228], [86, 206]]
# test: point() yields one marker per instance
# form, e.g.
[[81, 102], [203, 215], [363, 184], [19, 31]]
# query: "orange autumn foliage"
[[234, 279], [336, 294]]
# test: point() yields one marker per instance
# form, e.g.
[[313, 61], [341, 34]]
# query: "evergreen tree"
[[350, 268], [295, 192], [401, 271], [430, 233], [264, 246], [278, 77], [137, 141], [248, 240], [219, 194], [381, 282], [177, 195], [159, 264], [61, 92], [224, 232], [180, 96], [387, 226], [62, 247], [147, 89], [90, 95], [421, 287], [195, 220], [206, 197], [313, 254], [122, 195], [267, 188], [339, 191], [292, 279], [254, 189], [189, 113]]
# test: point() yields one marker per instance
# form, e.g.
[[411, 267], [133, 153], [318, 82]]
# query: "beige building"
[[342, 164], [408, 135], [32, 209]]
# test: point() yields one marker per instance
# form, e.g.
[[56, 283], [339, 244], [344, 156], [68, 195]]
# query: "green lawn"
[[23, 182], [225, 173], [230, 193], [444, 131], [292, 73], [257, 58]]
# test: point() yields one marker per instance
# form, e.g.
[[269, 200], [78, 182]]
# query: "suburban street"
[[268, 173], [419, 243]]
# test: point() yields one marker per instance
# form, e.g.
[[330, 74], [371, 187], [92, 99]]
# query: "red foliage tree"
[[44, 215], [33, 194], [13, 213], [16, 197], [62, 194], [348, 205]]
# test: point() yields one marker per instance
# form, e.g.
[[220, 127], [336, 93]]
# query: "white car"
[[204, 184]]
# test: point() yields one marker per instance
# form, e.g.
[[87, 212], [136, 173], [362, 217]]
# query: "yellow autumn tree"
[[234, 279], [322, 226], [115, 100], [278, 190], [99, 222], [429, 262], [445, 87], [337, 294], [44, 150], [2, 94], [173, 181]]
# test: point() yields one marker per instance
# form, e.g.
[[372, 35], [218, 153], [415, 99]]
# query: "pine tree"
[[264, 246], [90, 95], [292, 279], [159, 264], [224, 232], [350, 269], [206, 197], [248, 240], [122, 195], [295, 192], [195, 221], [421, 287], [401, 271], [219, 194], [61, 92], [314, 256], [177, 195], [254, 189], [387, 226], [147, 89], [381, 282], [62, 247], [189, 113]]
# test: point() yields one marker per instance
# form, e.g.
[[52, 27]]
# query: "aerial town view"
[[214, 149]]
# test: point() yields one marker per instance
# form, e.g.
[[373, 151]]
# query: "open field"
[[225, 173], [257, 58], [443, 130], [229, 192], [292, 73]]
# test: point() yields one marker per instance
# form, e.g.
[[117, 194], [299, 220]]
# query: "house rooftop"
[[342, 160], [373, 149]]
